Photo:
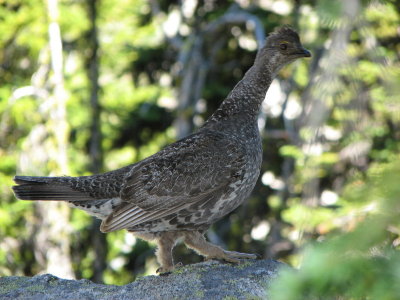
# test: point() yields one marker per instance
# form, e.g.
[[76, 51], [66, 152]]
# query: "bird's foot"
[[166, 270], [162, 271], [233, 257]]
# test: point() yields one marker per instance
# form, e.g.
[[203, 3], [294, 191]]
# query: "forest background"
[[91, 86]]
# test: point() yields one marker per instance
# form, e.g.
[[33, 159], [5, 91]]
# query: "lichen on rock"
[[206, 280]]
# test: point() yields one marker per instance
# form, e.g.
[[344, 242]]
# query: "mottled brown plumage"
[[181, 190]]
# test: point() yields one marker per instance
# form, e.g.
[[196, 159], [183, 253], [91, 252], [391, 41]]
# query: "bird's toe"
[[240, 255], [162, 271]]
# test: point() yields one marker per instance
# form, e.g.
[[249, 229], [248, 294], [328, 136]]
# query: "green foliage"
[[364, 261], [330, 188]]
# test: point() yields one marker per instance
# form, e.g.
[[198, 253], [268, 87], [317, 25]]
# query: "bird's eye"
[[283, 46]]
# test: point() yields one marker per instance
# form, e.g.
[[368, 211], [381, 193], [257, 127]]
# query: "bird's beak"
[[304, 52], [301, 52]]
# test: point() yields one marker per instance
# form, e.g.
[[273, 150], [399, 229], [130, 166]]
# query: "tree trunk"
[[98, 239], [325, 84], [46, 145]]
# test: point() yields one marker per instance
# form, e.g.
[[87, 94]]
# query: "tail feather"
[[33, 179], [47, 188]]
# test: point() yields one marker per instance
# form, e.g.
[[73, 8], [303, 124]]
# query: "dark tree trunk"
[[98, 240], [95, 150]]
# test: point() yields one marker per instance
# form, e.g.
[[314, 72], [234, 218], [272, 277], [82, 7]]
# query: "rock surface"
[[207, 280]]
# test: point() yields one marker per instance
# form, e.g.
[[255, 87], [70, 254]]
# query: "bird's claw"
[[162, 271], [179, 265], [233, 257]]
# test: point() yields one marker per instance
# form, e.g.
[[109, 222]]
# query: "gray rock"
[[207, 280]]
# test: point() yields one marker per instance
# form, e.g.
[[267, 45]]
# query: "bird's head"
[[282, 47]]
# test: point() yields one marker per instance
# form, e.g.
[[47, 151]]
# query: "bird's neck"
[[246, 97]]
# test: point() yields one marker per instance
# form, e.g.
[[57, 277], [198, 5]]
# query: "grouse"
[[177, 193]]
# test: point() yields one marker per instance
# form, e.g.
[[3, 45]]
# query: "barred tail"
[[47, 188]]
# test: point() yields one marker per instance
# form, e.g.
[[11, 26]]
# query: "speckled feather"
[[191, 183]]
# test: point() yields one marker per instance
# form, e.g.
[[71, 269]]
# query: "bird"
[[177, 193]]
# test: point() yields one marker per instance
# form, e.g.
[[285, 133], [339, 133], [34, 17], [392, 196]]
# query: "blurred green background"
[[91, 86]]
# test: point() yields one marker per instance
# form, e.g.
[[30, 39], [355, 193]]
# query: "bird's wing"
[[197, 169]]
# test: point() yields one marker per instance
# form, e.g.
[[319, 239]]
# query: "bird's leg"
[[196, 241], [166, 242]]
